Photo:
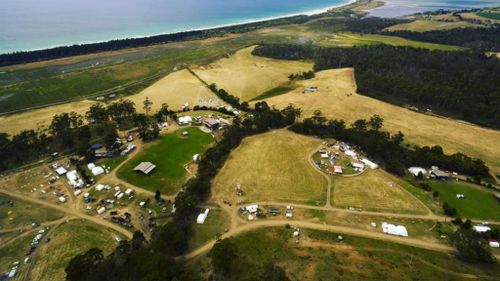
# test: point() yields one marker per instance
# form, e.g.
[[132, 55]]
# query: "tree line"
[[141, 260], [389, 149], [463, 85]]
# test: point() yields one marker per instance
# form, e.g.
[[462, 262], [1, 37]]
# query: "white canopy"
[[398, 230], [202, 217], [97, 170], [61, 171]]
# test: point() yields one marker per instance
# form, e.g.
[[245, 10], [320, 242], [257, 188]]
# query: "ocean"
[[38, 24]]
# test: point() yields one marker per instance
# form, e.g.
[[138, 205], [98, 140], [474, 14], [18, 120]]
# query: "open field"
[[215, 223], [170, 153], [68, 240], [421, 25], [175, 90], [14, 251], [334, 101], [24, 214], [490, 15], [247, 76], [375, 39], [477, 204], [273, 166], [374, 190], [319, 256]]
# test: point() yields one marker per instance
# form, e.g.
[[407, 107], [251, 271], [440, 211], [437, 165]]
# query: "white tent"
[[202, 217], [494, 244], [369, 163], [61, 171], [350, 153], [417, 170], [398, 230], [481, 228], [72, 175], [90, 166], [99, 187], [185, 120], [358, 165], [97, 171], [252, 208]]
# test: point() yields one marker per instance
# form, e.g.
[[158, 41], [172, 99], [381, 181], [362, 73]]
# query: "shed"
[[61, 171], [337, 169], [417, 170], [212, 123], [145, 167], [440, 175]]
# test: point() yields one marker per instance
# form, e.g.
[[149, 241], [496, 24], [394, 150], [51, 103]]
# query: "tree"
[[97, 113], [376, 122], [359, 125], [274, 273], [223, 255], [147, 105], [81, 266], [63, 127], [471, 246], [121, 111], [158, 195]]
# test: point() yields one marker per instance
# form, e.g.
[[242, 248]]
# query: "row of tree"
[[389, 149], [139, 260], [227, 97], [463, 85]]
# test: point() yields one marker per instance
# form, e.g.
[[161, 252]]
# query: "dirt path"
[[68, 211], [328, 178]]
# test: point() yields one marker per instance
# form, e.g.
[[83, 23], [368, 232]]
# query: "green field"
[[489, 15], [215, 223], [69, 240], [14, 251], [319, 256], [24, 214], [375, 39], [170, 153], [477, 204]]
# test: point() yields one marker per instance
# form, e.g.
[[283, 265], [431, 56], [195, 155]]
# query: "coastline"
[[313, 12]]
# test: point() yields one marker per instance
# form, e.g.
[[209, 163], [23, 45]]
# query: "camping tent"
[[97, 170]]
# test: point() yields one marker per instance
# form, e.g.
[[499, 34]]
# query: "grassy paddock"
[[371, 191], [69, 240], [429, 25], [477, 204], [24, 213], [215, 223], [170, 153], [273, 166], [489, 15]]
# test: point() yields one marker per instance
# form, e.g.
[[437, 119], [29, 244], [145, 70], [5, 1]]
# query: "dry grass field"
[[334, 101], [422, 25], [273, 167], [374, 190], [176, 89], [247, 76]]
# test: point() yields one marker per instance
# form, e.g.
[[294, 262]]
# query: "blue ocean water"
[[36, 24]]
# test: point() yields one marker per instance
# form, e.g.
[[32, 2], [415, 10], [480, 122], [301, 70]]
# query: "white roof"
[[99, 187], [252, 208], [417, 170], [358, 165], [97, 171], [185, 119], [481, 228], [72, 175], [202, 217], [494, 244], [90, 166], [369, 163], [398, 230], [350, 153], [61, 171]]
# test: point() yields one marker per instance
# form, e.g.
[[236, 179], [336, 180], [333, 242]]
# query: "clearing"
[[215, 224], [374, 190], [336, 99], [273, 166], [67, 241], [422, 25], [170, 153], [247, 76], [477, 204]]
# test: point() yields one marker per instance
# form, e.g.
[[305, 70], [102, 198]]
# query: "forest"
[[463, 85]]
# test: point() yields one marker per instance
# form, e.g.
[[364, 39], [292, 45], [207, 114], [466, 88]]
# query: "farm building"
[[212, 123], [417, 170], [185, 120], [202, 217], [440, 175], [61, 171], [392, 229], [145, 167]]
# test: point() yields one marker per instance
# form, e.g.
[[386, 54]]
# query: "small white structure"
[[62, 199], [324, 155], [358, 165], [481, 228], [202, 217], [350, 153], [98, 170], [91, 166], [142, 203], [101, 210], [289, 215], [120, 196], [77, 192], [369, 163], [398, 230], [72, 175], [130, 147], [417, 170], [373, 224], [196, 157], [99, 187], [61, 171], [85, 195], [494, 244], [185, 120], [128, 192], [460, 196], [252, 208]]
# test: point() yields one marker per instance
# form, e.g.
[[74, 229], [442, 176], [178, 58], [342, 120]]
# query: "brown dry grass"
[[272, 167], [333, 100], [247, 76], [427, 25], [371, 191]]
